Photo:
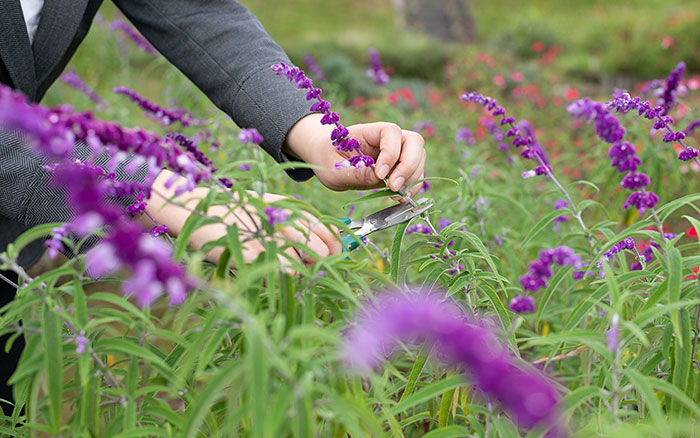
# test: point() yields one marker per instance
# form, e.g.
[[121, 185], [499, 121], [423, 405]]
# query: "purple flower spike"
[[540, 270], [82, 341], [525, 393], [250, 135], [275, 215], [522, 304], [134, 36], [613, 335], [418, 228], [634, 181], [163, 115], [75, 81], [688, 154], [339, 137], [465, 136], [376, 72], [641, 200], [313, 67], [667, 99]]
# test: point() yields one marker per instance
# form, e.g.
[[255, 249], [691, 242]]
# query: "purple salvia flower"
[[688, 154], [464, 135], [76, 82], [163, 115], [191, 147], [623, 156], [313, 67], [641, 200], [81, 341], [376, 71], [692, 126], [522, 304], [159, 230], [443, 223], [55, 243], [627, 243], [667, 99], [275, 215], [134, 36], [613, 335], [459, 339], [250, 135], [340, 139], [519, 136], [634, 181], [540, 269], [625, 103], [418, 228], [560, 204], [244, 167]]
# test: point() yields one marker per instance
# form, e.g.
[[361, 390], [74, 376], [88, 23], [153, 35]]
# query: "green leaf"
[[644, 389], [682, 360], [662, 385], [665, 211], [695, 223], [445, 404], [427, 393], [539, 226], [579, 396], [258, 371], [384, 193], [37, 232], [396, 251], [416, 371], [448, 432], [53, 364], [675, 271], [193, 222]]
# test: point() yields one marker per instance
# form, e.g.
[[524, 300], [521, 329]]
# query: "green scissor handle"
[[348, 241]]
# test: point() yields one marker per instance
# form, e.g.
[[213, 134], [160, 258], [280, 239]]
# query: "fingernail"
[[398, 183], [383, 171]]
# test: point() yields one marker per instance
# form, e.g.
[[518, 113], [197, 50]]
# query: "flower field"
[[551, 290]]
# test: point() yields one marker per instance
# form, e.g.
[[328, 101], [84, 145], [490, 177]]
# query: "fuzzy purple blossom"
[[540, 269], [667, 99], [465, 136], [519, 135], [627, 243], [625, 103], [159, 230], [376, 71], [339, 135], [634, 181], [275, 215], [73, 80], [134, 36], [522, 304], [250, 135], [613, 335], [688, 154], [163, 115], [607, 126], [560, 204], [81, 342], [313, 67], [244, 167], [418, 228], [459, 339], [55, 243]]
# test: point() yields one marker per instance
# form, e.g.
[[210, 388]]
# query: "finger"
[[251, 249], [412, 158], [309, 239], [329, 236], [383, 141], [286, 263], [417, 175]]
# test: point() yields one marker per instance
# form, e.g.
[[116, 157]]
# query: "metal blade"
[[391, 216]]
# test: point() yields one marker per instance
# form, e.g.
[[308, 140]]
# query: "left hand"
[[398, 153]]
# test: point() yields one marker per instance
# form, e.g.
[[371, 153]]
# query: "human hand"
[[321, 240], [399, 154]]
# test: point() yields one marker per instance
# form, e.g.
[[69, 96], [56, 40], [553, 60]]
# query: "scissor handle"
[[345, 220], [349, 242]]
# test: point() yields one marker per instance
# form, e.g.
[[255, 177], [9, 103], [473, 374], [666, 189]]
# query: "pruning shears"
[[385, 218]]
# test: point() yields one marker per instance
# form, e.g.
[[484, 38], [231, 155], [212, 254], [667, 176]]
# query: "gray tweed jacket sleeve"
[[222, 47]]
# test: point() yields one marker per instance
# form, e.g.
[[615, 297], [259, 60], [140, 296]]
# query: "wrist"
[[307, 139]]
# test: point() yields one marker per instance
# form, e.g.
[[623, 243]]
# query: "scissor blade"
[[391, 216]]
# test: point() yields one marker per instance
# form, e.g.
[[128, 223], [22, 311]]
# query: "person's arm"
[[224, 50]]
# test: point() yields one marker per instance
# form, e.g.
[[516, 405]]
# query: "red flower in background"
[[667, 42], [691, 232], [572, 93], [537, 46], [499, 81]]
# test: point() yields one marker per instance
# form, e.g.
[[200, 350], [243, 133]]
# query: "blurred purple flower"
[[250, 135], [275, 215], [163, 115], [522, 304], [75, 81], [313, 67], [376, 71], [134, 36], [540, 269], [339, 135], [459, 339], [613, 335], [82, 341], [464, 135], [667, 99], [418, 228]]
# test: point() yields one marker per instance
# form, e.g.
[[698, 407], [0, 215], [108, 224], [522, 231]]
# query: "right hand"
[[311, 232]]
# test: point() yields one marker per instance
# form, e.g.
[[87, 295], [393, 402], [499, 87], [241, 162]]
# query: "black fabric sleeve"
[[222, 47]]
